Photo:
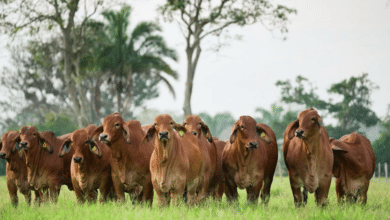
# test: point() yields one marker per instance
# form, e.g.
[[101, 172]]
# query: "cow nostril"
[[253, 145], [299, 133], [195, 133], [163, 134], [23, 143], [103, 137], [2, 155], [77, 159]]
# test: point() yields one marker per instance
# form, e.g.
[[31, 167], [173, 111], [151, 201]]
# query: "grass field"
[[281, 206]]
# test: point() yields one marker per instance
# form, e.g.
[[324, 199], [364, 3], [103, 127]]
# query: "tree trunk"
[[191, 67], [96, 100], [84, 116]]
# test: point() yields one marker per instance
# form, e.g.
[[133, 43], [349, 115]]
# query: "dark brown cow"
[[249, 160], [176, 162], [90, 167], [220, 145], [45, 170], [16, 169], [354, 165], [130, 156], [308, 157], [213, 173]]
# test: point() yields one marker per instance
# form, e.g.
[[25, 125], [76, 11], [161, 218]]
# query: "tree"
[[132, 58], [352, 112], [381, 146], [219, 123], [202, 18], [50, 15]]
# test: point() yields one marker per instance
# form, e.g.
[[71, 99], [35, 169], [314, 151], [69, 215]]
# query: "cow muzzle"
[[194, 133], [2, 155], [77, 159], [103, 138], [23, 145], [163, 136], [299, 133], [252, 145]]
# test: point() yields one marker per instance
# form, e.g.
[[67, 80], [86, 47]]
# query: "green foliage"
[[352, 112], [59, 124], [382, 145], [218, 124]]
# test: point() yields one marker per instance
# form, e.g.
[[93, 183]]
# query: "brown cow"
[[220, 145], [130, 156], [354, 165], [308, 157], [249, 160], [176, 162], [45, 170], [90, 167], [16, 169], [213, 173]]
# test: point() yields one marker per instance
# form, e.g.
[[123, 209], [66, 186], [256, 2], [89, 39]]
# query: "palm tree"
[[133, 59]]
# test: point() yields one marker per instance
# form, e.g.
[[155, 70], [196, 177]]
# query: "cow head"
[[112, 130], [9, 144], [135, 131], [196, 126], [338, 156], [82, 144], [246, 132], [163, 127], [31, 139], [307, 124]]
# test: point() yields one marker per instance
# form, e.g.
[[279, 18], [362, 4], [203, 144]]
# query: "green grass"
[[281, 206]]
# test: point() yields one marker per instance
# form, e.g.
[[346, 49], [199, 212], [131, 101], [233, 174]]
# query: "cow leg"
[[321, 193], [148, 193], [27, 197], [92, 195], [265, 192], [119, 191], [252, 193], [13, 192], [297, 196], [219, 193], [162, 198], [54, 192], [304, 193], [339, 191], [106, 190], [38, 198], [231, 190], [363, 195]]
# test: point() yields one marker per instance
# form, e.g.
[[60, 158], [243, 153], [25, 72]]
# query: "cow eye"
[[313, 119], [34, 134], [117, 125], [185, 123], [171, 123], [155, 124], [242, 126]]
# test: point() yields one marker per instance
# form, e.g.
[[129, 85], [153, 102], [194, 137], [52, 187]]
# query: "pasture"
[[281, 206]]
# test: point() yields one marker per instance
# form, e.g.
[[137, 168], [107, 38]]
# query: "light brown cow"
[[45, 170], [176, 162], [90, 167], [130, 156], [213, 173], [16, 169], [354, 165], [249, 160], [308, 157]]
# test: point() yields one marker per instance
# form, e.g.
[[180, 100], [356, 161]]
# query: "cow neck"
[[34, 155], [242, 153], [166, 153], [312, 145]]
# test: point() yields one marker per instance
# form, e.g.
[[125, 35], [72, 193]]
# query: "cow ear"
[[336, 150], [126, 133], [180, 129], [294, 126], [45, 144], [94, 148], [65, 148], [149, 134], [1, 145], [234, 133], [262, 132], [17, 141], [206, 131], [95, 134]]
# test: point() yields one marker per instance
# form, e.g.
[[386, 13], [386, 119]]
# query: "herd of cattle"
[[183, 162]]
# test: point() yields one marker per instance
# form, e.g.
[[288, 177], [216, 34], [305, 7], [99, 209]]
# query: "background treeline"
[[84, 68]]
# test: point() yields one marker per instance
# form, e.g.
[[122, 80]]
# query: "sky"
[[328, 41]]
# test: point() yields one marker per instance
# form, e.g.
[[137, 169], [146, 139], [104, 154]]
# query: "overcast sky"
[[328, 41]]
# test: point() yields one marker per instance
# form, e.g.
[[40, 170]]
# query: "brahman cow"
[[213, 173], [249, 160], [44, 169], [90, 167], [176, 163], [16, 169], [353, 167], [308, 157], [130, 156]]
